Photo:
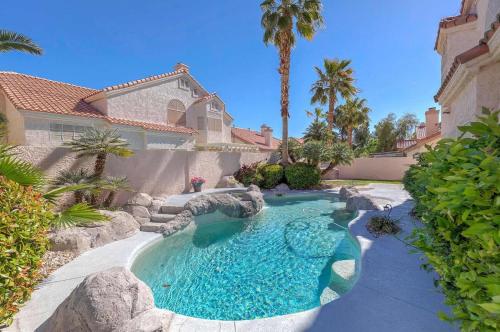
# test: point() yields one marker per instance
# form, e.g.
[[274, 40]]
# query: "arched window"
[[176, 113]]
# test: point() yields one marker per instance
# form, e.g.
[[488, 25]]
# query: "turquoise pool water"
[[276, 263]]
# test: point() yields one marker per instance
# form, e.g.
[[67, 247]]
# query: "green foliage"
[[272, 175], [294, 150], [24, 221], [302, 176], [385, 132], [12, 41], [18, 170], [249, 174], [456, 187], [338, 154]]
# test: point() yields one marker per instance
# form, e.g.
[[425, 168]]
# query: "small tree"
[[337, 154], [112, 185], [385, 132], [76, 178]]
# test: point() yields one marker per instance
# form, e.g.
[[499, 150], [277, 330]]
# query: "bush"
[[302, 176], [249, 174], [456, 187], [272, 175], [24, 221]]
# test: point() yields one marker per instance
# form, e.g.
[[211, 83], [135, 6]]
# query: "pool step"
[[151, 227], [162, 218], [171, 209]]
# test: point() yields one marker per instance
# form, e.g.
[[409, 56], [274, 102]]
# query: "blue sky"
[[100, 43]]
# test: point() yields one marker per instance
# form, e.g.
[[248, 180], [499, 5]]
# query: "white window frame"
[[61, 135], [184, 84]]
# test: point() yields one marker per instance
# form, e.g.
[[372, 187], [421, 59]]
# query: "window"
[[195, 93], [214, 124], [176, 113], [215, 106], [183, 83], [60, 132]]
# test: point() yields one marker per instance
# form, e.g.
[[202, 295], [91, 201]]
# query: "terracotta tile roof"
[[423, 141], [37, 94], [476, 51], [255, 138], [205, 98], [453, 21]]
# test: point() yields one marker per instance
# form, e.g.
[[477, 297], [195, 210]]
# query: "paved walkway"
[[392, 294]]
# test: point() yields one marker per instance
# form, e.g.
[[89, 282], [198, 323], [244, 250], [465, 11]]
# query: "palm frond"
[[18, 170], [12, 41], [56, 193], [78, 214], [95, 141]]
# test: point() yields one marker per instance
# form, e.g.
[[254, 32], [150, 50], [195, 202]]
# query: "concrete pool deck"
[[392, 293]]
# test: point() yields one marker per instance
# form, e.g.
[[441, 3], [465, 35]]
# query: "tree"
[[336, 79], [385, 132], [351, 115], [405, 127], [337, 154], [281, 21], [11, 41], [113, 185], [95, 142], [75, 178]]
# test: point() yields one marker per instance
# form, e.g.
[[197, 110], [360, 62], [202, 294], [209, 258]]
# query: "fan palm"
[[27, 175], [12, 41], [338, 154], [100, 143], [281, 21], [351, 115], [336, 79], [112, 185], [75, 178]]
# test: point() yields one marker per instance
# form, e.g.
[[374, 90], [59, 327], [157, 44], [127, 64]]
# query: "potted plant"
[[197, 182]]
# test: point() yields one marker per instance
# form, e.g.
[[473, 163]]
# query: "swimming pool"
[[275, 263]]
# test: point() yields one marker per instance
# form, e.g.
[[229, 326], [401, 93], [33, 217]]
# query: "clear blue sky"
[[100, 43]]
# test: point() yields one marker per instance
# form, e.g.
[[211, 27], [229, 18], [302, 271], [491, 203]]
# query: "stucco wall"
[[462, 109], [487, 11], [15, 132], [157, 172], [387, 168], [488, 86], [465, 37]]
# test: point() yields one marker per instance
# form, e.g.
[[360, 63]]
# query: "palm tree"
[[112, 185], [338, 154], [25, 174], [278, 20], [11, 41], [317, 113], [74, 178], [336, 79], [95, 142], [351, 115]]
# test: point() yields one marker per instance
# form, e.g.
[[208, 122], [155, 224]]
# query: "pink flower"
[[197, 180]]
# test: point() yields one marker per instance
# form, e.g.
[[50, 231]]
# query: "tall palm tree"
[[12, 41], [281, 21], [336, 79], [317, 114], [100, 143], [351, 115]]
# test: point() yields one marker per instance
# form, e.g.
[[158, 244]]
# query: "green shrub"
[[302, 176], [456, 187], [272, 175], [249, 174], [24, 221]]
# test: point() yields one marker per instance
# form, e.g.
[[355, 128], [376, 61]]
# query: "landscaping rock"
[[142, 221], [154, 320], [138, 211], [282, 188], [346, 192], [201, 205], [156, 205], [105, 301], [141, 199], [364, 202], [79, 239], [253, 187], [229, 182], [240, 205]]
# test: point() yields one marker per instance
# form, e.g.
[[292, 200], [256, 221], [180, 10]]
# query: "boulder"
[[239, 205], [156, 205], [253, 187], [141, 199], [364, 202], [120, 225], [201, 205], [105, 301], [282, 187], [138, 211], [229, 182], [346, 192]]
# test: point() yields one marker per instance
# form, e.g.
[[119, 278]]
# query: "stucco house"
[[469, 45], [167, 111], [427, 133], [262, 139]]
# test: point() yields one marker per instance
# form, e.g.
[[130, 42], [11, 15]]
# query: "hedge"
[[24, 222], [272, 175], [456, 188], [302, 176]]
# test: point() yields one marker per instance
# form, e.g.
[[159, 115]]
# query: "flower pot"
[[197, 187]]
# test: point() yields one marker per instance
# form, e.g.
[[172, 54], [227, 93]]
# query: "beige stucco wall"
[[157, 172], [487, 10], [458, 40], [15, 132], [488, 86], [387, 168]]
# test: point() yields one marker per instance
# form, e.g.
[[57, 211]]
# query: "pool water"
[[276, 263]]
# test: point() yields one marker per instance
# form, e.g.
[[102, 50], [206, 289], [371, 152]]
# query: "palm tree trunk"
[[100, 162], [109, 199], [331, 116], [78, 196], [349, 130], [285, 50]]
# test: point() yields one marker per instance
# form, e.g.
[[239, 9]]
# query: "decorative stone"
[[239, 205], [156, 205], [282, 187], [105, 301], [82, 238], [346, 192], [141, 199], [154, 320], [229, 182], [364, 202], [253, 187], [142, 221], [138, 211]]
